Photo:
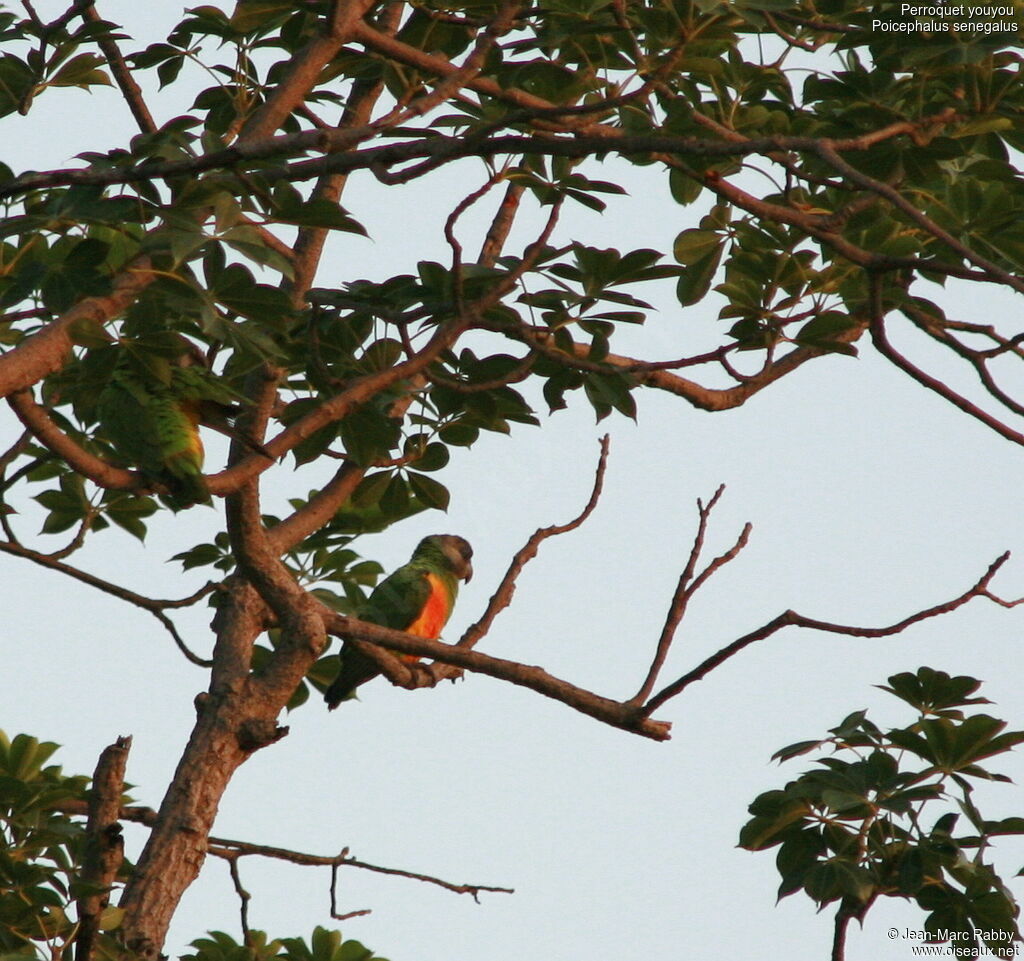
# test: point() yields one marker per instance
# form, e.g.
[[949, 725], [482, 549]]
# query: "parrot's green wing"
[[398, 600], [396, 603], [154, 429]]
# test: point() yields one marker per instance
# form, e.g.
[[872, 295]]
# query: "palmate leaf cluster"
[[879, 815], [41, 855], [41, 850], [324, 945], [709, 66]]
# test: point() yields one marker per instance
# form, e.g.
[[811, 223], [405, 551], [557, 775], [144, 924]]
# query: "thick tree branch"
[[46, 352], [611, 712], [37, 420], [304, 70]]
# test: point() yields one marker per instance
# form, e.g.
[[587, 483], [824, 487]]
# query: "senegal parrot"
[[151, 414], [417, 598]]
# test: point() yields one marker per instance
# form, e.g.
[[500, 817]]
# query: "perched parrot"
[[417, 598], [153, 423]]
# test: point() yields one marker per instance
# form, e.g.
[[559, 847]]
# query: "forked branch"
[[791, 618]]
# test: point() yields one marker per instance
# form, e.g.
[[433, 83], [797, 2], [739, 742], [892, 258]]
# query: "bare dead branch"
[[362, 912], [687, 586], [104, 848], [472, 889], [230, 850], [881, 342], [154, 607], [130, 90], [502, 597], [791, 618], [244, 897], [978, 359]]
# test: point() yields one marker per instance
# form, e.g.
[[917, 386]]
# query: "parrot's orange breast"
[[435, 611]]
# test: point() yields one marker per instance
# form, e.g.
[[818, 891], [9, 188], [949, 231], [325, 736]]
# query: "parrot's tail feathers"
[[185, 490], [335, 697], [355, 669]]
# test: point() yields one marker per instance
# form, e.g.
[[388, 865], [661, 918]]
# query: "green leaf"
[[695, 282], [81, 71], [459, 434], [693, 245], [319, 213], [429, 491]]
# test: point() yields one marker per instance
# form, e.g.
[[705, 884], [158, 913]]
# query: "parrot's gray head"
[[455, 550]]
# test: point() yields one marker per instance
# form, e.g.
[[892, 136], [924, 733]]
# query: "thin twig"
[[791, 618], [502, 597], [153, 606], [882, 344], [244, 897], [685, 589], [334, 898]]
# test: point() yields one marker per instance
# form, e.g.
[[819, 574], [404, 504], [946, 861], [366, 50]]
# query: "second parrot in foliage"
[[418, 598], [151, 415]]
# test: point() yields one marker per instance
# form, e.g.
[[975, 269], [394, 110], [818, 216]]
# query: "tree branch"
[[228, 849], [791, 618], [45, 352], [104, 850], [341, 156], [304, 70], [37, 420], [607, 710], [130, 90], [685, 590], [881, 342], [154, 607], [827, 151], [502, 597]]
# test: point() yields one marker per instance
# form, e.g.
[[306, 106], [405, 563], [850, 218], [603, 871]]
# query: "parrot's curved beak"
[[468, 575]]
